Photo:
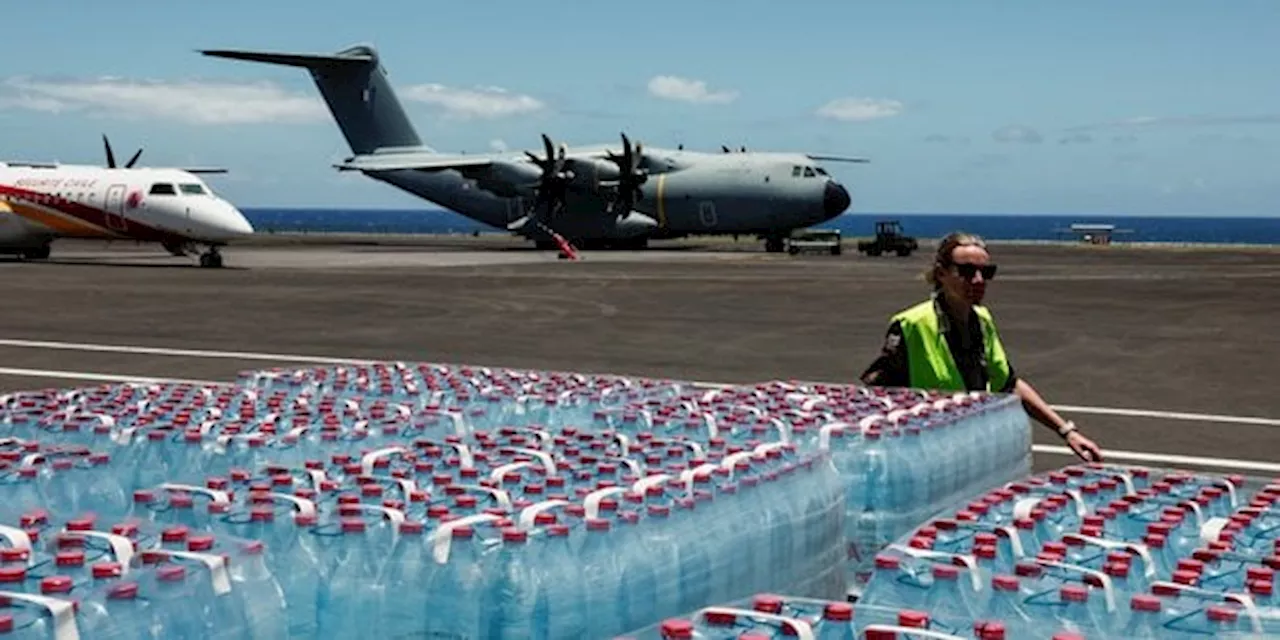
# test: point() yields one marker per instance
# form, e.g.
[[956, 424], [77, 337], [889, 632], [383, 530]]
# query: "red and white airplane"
[[40, 203]]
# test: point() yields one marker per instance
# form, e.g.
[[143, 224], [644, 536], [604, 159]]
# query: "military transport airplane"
[[41, 202], [602, 195]]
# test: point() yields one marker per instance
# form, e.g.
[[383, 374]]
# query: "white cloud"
[[688, 90], [859, 109], [498, 144], [1017, 133], [187, 101], [480, 102]]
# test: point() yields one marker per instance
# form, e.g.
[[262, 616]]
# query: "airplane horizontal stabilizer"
[[203, 169], [306, 60], [825, 158], [418, 161]]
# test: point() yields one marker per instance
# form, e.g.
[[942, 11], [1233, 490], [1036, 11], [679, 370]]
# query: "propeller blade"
[[518, 224], [129, 164], [111, 157]]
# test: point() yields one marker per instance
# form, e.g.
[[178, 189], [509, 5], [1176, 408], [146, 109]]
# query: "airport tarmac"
[[1100, 331]]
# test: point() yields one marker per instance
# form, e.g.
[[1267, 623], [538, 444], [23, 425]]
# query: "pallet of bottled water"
[[766, 616], [395, 498], [1095, 551], [902, 454]]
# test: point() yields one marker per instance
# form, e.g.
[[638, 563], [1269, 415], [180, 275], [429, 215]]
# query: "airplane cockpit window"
[[820, 170], [162, 189], [795, 171], [808, 172], [193, 189]]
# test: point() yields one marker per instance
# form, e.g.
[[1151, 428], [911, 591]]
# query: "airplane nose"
[[236, 225], [835, 199]]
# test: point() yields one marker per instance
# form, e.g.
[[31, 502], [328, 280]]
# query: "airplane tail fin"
[[354, 86]]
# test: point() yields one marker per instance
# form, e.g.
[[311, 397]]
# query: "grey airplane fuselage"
[[687, 193]]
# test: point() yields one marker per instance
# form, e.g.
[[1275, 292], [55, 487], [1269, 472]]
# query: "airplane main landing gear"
[[774, 244], [211, 259], [38, 253]]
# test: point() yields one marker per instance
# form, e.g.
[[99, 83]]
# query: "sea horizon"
[[1173, 227]]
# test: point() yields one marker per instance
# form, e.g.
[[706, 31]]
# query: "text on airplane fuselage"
[[54, 183]]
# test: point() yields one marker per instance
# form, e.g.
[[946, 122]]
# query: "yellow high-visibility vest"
[[929, 359]]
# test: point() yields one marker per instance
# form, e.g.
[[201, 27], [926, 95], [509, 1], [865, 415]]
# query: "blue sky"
[[1137, 107]]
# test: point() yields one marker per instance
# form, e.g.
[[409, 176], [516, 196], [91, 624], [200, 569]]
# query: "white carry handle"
[[1015, 541], [1149, 567], [802, 629], [623, 440], [442, 537], [123, 436], [969, 561], [464, 455], [503, 498], [1231, 491], [214, 494], [1195, 508], [754, 410], [297, 432], [31, 459], [784, 429], [731, 461], [869, 421], [121, 547], [1022, 508], [18, 539], [1081, 508], [713, 430], [353, 407], [371, 458], [530, 513], [642, 485], [592, 502], [1211, 529], [710, 396], [824, 434], [693, 446], [217, 567], [648, 417], [396, 516], [910, 631], [497, 474], [687, 475], [548, 462], [631, 465], [543, 436], [1107, 588], [63, 613], [317, 477], [305, 507]]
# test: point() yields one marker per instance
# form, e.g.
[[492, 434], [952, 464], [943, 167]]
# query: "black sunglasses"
[[967, 270]]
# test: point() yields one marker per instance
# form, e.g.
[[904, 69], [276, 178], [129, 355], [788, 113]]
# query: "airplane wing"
[[430, 161]]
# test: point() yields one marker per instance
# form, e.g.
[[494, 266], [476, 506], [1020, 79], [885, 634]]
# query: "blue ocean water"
[[1223, 230]]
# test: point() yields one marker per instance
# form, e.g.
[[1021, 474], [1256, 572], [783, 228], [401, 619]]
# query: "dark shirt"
[[968, 349]]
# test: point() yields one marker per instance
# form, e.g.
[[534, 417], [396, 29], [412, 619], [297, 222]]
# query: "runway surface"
[[1094, 329]]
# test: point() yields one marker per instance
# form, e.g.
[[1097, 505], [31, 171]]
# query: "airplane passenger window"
[[808, 172], [162, 189], [192, 189]]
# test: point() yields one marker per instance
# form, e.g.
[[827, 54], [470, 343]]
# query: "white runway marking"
[[1168, 458], [1112, 455], [296, 358], [99, 377]]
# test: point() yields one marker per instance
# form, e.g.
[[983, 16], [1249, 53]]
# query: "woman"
[[950, 342]]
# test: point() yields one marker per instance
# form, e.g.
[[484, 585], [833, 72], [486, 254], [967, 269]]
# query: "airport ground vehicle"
[[889, 238], [824, 240]]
